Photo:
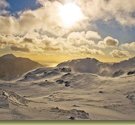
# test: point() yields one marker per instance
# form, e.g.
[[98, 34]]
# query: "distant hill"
[[12, 67], [89, 65]]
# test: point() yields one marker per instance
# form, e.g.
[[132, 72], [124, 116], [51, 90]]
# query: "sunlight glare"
[[70, 14]]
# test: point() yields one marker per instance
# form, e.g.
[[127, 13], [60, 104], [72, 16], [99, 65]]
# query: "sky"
[[22, 5], [52, 31]]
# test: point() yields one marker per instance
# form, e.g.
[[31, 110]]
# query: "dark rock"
[[101, 92], [67, 84], [65, 69], [45, 72], [75, 106], [72, 118], [45, 83], [131, 73], [131, 96], [79, 114], [56, 69], [50, 73], [3, 101], [118, 73], [56, 109], [15, 98], [74, 113], [67, 74], [60, 81], [29, 76]]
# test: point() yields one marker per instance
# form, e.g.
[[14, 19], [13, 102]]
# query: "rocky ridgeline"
[[42, 73], [73, 114]]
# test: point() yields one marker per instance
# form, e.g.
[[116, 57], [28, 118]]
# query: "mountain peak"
[[91, 59], [12, 67], [8, 56]]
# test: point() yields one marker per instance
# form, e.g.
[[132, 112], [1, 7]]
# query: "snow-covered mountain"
[[13, 67], [89, 65], [74, 90]]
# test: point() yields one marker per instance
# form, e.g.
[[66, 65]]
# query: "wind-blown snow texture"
[[74, 90]]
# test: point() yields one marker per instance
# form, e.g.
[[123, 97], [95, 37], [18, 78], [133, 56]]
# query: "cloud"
[[21, 49], [14, 43], [41, 30], [83, 38], [27, 40], [111, 41], [5, 41], [3, 44], [129, 46], [108, 42], [47, 16], [120, 54], [92, 35], [50, 48], [3, 5], [74, 43], [91, 51], [121, 11]]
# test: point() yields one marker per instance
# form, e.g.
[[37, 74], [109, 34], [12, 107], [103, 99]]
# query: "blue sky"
[[21, 5], [114, 29]]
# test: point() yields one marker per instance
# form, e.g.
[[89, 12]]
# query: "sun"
[[70, 13]]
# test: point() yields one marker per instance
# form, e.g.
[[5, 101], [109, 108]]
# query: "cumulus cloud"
[[8, 25], [75, 42], [27, 40], [30, 20], [21, 49], [6, 41], [92, 35], [3, 44], [120, 54], [129, 46], [41, 30], [91, 51], [83, 38], [3, 5], [108, 42], [47, 16], [121, 11], [111, 41]]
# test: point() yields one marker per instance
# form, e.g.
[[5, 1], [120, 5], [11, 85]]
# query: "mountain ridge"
[[12, 67], [91, 65]]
